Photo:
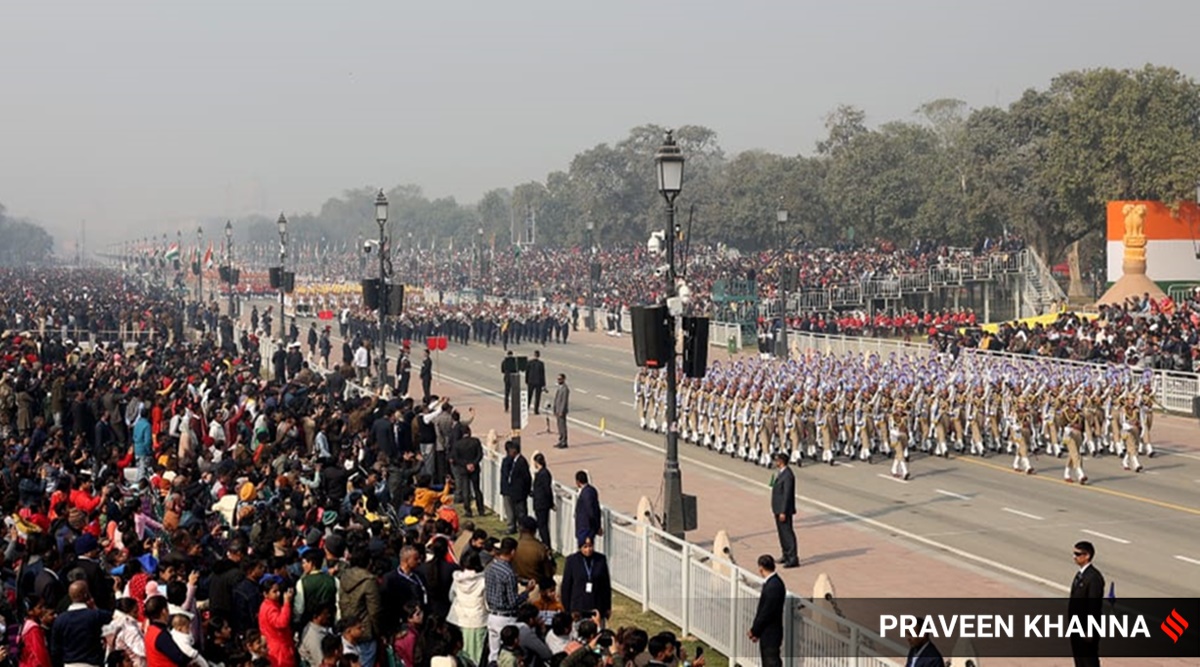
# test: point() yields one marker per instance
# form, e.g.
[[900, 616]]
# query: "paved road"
[[1146, 527]]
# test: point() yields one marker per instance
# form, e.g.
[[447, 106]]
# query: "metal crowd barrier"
[[705, 595]]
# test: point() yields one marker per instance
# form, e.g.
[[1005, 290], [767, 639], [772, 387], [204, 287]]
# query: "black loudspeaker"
[[1196, 407], [690, 513], [595, 272], [695, 346], [651, 339], [276, 275], [395, 299], [370, 292], [195, 268], [790, 279], [224, 273], [289, 281], [235, 276]]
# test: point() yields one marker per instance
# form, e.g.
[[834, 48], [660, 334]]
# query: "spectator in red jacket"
[[275, 622]]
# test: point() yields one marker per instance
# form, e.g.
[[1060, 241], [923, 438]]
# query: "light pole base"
[[673, 511]]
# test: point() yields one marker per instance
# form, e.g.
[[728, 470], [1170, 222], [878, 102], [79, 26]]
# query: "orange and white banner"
[[1172, 241]]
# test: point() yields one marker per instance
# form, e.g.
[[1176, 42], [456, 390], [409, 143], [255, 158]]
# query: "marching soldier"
[[1073, 429], [1131, 433]]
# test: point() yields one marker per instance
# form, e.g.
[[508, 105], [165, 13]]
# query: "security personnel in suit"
[[922, 653], [1087, 595], [535, 380], [783, 506], [767, 628]]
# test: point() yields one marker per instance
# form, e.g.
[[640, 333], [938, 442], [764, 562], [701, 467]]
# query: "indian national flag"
[[208, 256], [172, 253]]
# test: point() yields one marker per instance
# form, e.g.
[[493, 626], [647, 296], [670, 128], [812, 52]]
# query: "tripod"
[[546, 414]]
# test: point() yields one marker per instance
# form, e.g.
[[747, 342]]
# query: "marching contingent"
[[825, 407]]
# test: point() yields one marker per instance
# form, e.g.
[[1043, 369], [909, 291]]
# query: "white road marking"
[[1027, 515], [986, 561], [1173, 452], [603, 397], [630, 405], [952, 494], [478, 362], [845, 465], [894, 479], [1107, 537], [582, 391], [463, 358], [1185, 559]]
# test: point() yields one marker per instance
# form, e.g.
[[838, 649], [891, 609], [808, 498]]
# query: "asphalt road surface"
[[1146, 527]]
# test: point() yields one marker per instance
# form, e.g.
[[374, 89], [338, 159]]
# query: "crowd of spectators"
[[629, 274], [170, 504], [1159, 334]]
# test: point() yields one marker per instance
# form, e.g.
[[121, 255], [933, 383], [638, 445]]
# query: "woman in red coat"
[[35, 651], [275, 622]]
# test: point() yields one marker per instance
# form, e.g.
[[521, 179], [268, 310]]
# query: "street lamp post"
[[281, 223], [381, 216], [591, 324], [669, 161], [199, 265], [229, 262], [479, 259], [781, 218]]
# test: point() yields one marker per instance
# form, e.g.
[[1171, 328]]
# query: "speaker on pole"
[[395, 299], [370, 293], [695, 346], [289, 281], [276, 275], [651, 341], [235, 276]]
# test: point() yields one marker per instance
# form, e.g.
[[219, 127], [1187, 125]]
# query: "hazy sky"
[[144, 115]]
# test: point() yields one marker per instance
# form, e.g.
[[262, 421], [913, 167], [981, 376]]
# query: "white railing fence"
[[706, 596]]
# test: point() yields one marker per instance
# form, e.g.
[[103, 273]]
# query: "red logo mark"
[[1174, 626]]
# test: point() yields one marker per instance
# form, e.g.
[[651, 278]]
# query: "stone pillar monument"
[[1134, 282]]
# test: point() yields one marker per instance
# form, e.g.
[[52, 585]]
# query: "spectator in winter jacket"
[[275, 621]]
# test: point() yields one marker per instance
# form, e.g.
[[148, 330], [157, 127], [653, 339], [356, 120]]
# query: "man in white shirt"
[[362, 361]]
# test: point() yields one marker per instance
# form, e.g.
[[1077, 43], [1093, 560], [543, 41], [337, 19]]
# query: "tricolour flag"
[[208, 256], [172, 253]]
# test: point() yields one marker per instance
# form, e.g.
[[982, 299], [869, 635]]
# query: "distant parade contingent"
[[823, 407]]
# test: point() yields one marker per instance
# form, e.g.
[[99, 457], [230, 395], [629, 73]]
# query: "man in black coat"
[[587, 509], [783, 506], [515, 484], [535, 379], [1087, 595], [922, 653], [767, 628], [426, 375], [586, 582], [543, 500], [465, 457]]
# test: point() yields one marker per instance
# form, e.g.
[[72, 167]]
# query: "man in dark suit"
[[562, 405], [465, 456], [426, 375], [922, 653], [767, 629], [587, 509], [535, 379], [783, 506], [515, 484], [1087, 595], [383, 436], [508, 378]]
